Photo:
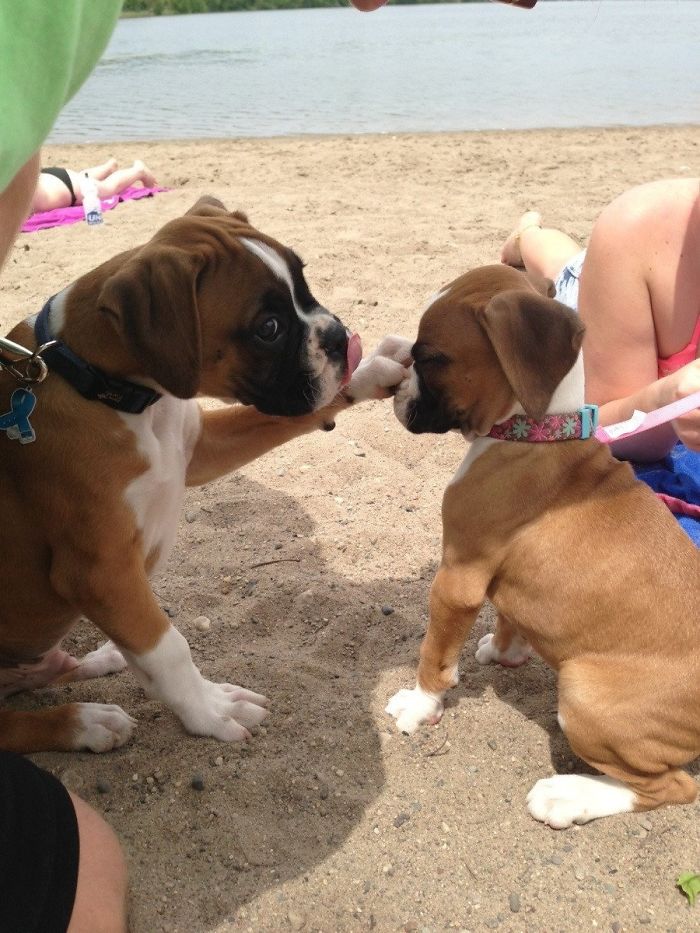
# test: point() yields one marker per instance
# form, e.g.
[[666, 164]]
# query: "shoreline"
[[300, 137], [328, 819]]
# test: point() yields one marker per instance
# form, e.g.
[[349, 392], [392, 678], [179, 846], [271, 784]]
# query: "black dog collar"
[[86, 379]]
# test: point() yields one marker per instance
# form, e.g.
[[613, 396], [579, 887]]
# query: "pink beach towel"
[[71, 215]]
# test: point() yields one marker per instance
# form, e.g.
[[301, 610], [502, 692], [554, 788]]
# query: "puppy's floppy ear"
[[153, 301], [537, 341], [207, 206], [541, 284]]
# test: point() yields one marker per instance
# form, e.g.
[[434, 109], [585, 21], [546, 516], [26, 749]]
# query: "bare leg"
[[101, 895], [538, 249], [116, 182], [100, 172], [16, 204], [125, 178]]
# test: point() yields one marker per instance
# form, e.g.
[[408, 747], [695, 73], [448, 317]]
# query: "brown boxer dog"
[[581, 560], [93, 473]]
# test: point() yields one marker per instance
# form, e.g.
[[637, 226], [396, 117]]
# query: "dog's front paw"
[[412, 708], [101, 727], [517, 652], [225, 712], [377, 378], [394, 348], [380, 373]]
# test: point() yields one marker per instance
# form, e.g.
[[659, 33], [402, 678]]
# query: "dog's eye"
[[269, 329], [436, 359]]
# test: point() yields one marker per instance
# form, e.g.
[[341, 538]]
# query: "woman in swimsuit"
[[639, 296], [61, 187]]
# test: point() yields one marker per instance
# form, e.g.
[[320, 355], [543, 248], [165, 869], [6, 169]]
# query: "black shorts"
[[63, 176], [39, 849]]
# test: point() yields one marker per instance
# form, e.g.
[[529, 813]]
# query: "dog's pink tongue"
[[354, 355]]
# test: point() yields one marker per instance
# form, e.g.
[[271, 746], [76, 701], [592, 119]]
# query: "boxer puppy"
[[581, 560], [209, 306]]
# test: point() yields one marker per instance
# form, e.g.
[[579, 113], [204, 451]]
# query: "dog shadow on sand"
[[208, 826]]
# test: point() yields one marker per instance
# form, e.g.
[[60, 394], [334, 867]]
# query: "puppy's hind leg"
[[504, 646], [107, 659], [601, 713]]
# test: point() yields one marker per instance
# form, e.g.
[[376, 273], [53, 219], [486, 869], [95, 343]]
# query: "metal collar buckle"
[[34, 368]]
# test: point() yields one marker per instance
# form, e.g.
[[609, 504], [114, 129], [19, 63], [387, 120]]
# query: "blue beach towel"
[[677, 477]]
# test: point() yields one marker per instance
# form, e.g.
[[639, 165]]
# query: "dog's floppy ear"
[[207, 206], [537, 341], [541, 284], [153, 300]]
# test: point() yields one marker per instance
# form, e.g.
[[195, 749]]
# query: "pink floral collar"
[[572, 426]]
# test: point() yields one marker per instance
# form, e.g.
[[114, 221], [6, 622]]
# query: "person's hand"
[[380, 373], [687, 381]]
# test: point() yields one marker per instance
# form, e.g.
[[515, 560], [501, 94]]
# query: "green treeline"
[[165, 7]]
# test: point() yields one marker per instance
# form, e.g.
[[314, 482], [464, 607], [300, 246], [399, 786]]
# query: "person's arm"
[[619, 347], [15, 203], [654, 444]]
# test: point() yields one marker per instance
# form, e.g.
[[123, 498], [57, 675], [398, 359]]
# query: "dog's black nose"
[[334, 340]]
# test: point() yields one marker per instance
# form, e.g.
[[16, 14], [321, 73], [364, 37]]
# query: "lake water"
[[402, 69]]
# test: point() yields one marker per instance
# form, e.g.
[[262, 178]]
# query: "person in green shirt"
[[46, 54]]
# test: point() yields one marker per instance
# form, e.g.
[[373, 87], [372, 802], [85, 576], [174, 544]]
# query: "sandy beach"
[[313, 565]]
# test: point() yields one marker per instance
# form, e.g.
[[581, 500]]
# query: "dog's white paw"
[[102, 727], [225, 712], [395, 348], [107, 659], [379, 373], [412, 708], [517, 652], [375, 378], [565, 799]]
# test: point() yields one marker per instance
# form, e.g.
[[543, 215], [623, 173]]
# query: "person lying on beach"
[[637, 288], [63, 187]]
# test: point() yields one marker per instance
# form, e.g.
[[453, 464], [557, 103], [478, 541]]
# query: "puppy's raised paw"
[[376, 378], [395, 348]]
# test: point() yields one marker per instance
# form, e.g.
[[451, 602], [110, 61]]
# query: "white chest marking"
[[166, 433], [478, 446]]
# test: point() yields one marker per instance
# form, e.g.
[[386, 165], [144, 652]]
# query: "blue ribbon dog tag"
[[15, 422]]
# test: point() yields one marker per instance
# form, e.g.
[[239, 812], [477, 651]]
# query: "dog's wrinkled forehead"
[[211, 231], [287, 268], [448, 309]]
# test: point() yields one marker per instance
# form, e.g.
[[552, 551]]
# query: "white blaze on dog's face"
[[487, 341], [325, 352], [231, 317]]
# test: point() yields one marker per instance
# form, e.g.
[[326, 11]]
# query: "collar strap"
[[573, 426], [92, 383]]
